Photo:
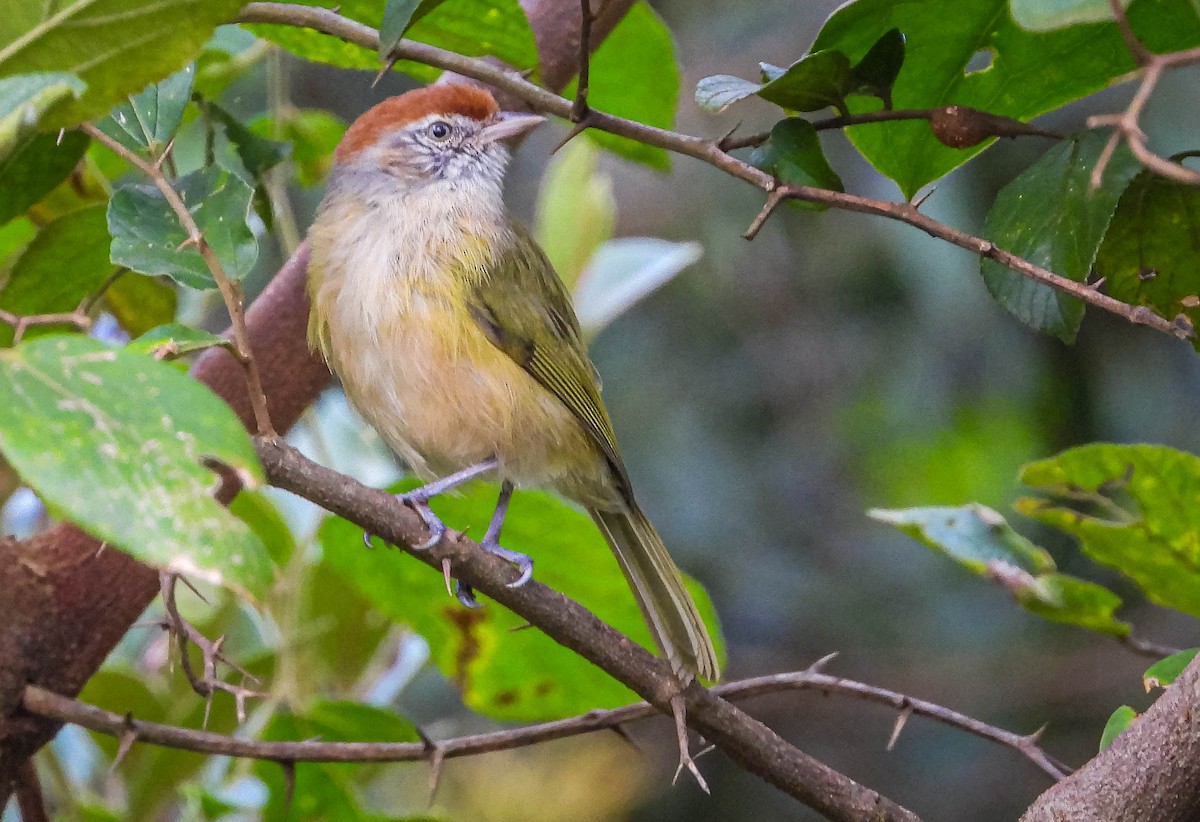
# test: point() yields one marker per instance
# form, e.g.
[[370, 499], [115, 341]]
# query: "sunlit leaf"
[[1051, 217], [576, 209], [1046, 15], [1163, 673], [117, 443], [25, 100], [982, 541], [1121, 719], [1133, 508], [174, 340], [505, 674], [115, 46]]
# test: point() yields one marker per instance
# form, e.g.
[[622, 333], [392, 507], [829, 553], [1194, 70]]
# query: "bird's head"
[[449, 133]]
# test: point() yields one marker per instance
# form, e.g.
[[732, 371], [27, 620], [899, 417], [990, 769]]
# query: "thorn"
[[901, 721], [818, 666], [391, 61], [920, 201], [190, 241], [208, 701], [289, 785], [522, 627], [724, 139], [162, 158], [127, 738], [1032, 739], [681, 731], [575, 131], [1097, 284], [100, 550], [437, 757], [773, 200], [194, 590], [446, 574]]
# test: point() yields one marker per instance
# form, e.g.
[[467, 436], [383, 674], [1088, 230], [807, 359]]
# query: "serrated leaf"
[[147, 121], [115, 442], [624, 271], [1132, 507], [147, 236], [793, 153], [174, 340], [876, 72], [1121, 719], [35, 168], [1051, 217], [65, 262], [634, 74], [576, 210], [475, 28], [1163, 673], [1029, 73], [140, 303], [25, 99], [502, 673], [1046, 15], [1150, 252], [115, 46], [982, 541]]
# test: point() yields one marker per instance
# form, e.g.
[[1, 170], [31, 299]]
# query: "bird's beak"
[[510, 126]]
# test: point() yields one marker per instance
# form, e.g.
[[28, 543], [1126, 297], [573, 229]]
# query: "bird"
[[453, 336]]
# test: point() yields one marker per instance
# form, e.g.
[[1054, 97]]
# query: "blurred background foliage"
[[767, 394]]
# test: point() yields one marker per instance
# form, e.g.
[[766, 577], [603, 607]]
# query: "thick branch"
[[706, 150], [748, 742]]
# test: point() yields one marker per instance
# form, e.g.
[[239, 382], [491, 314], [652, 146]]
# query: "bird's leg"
[[418, 499], [491, 544]]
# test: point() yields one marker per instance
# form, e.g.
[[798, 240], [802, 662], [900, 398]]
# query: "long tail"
[[658, 587]]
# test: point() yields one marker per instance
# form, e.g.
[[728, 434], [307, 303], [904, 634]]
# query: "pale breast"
[[420, 370]]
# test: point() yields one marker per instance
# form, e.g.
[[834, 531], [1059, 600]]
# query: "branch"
[[749, 743], [64, 709], [707, 151], [1127, 124], [230, 290]]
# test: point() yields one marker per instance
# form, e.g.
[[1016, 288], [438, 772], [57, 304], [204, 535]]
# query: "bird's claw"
[[466, 595], [523, 562], [420, 504]]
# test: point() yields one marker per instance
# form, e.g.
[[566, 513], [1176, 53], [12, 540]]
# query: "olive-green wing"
[[525, 310]]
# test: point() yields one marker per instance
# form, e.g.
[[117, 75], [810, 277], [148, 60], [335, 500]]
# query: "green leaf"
[[398, 15], [1121, 719], [313, 133], [624, 271], [26, 99], [813, 82], [67, 261], [1163, 673], [504, 673], [576, 210], [15, 236], [793, 153], [147, 121], [147, 235], [116, 442], [1050, 216], [1149, 255], [257, 152], [115, 46], [256, 510], [174, 340], [141, 303], [876, 72], [1133, 508], [634, 74], [33, 170], [1029, 74], [982, 541], [476, 28], [324, 791], [1046, 15]]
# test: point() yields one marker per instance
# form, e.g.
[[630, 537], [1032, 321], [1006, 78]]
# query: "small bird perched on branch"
[[454, 337]]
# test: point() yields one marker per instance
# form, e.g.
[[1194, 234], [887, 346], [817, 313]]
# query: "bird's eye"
[[439, 130]]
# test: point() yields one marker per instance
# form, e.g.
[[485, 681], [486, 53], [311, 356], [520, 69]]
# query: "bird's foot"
[[419, 502], [524, 563]]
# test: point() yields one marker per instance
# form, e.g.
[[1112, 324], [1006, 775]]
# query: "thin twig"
[[64, 709], [579, 109], [30, 800], [773, 200], [230, 290], [701, 149], [1146, 647], [21, 323]]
